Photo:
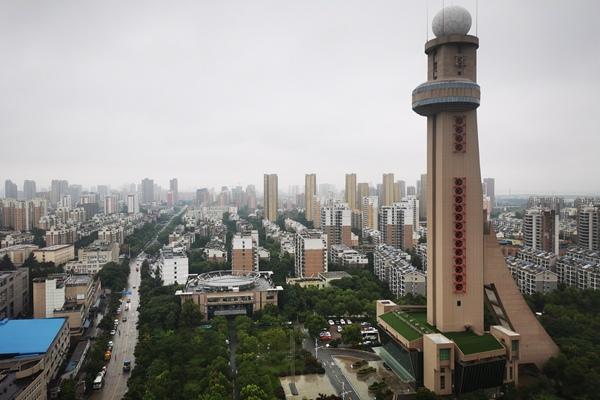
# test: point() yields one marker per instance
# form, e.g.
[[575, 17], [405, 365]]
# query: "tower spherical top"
[[451, 20]]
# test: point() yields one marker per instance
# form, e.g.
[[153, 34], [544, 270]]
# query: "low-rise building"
[[538, 257], [226, 293], [18, 253], [320, 281], [172, 266], [14, 293], [92, 258], [66, 296], [31, 353], [579, 268], [532, 278], [392, 265], [343, 255], [57, 254], [215, 251]]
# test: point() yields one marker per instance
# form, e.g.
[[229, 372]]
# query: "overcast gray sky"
[[219, 92]]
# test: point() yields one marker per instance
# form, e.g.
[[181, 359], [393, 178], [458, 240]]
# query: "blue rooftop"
[[19, 337]]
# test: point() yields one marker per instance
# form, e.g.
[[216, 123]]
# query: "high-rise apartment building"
[[270, 197], [244, 254], [541, 229], [110, 204], [489, 190], [58, 189], [310, 191], [203, 197], [399, 191], [133, 205], [391, 225], [14, 293], [387, 190], [362, 192], [311, 253], [588, 227], [174, 188], [147, 191], [411, 191], [29, 190], [10, 190], [336, 223], [251, 197], [422, 184], [369, 212], [22, 215], [350, 192]]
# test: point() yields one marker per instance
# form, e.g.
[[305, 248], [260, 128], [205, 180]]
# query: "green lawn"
[[470, 343]]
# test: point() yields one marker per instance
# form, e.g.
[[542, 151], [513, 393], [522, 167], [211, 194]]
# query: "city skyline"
[[150, 91]]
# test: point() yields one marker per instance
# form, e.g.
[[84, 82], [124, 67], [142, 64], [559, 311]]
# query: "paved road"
[[115, 384], [333, 372]]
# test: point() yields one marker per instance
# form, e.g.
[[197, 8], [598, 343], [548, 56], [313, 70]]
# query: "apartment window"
[[444, 354], [515, 345], [443, 382]]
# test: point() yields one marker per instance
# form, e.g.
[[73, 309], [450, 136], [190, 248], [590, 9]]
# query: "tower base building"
[[446, 346]]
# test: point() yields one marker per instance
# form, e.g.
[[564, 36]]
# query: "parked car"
[[349, 322], [342, 321], [113, 332], [331, 323], [339, 329]]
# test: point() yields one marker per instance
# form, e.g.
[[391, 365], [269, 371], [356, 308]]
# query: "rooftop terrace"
[[413, 325]]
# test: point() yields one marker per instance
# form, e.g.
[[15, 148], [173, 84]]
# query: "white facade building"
[[173, 266], [133, 204]]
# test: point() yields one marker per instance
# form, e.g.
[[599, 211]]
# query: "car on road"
[[331, 323], [126, 366], [113, 332], [124, 319], [325, 335], [110, 343]]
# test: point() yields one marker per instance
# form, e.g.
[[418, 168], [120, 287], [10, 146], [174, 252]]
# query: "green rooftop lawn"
[[413, 325], [410, 325], [470, 343]]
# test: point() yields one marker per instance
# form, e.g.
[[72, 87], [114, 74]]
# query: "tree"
[[351, 335], [425, 394], [190, 316], [253, 392], [6, 264], [315, 323]]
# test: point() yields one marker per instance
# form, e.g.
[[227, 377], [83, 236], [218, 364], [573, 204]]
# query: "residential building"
[[350, 192], [92, 258], [588, 227], [392, 265], [310, 191], [203, 197], [147, 191], [31, 354], [221, 293], [270, 197], [336, 223], [18, 253], [133, 205], [66, 296], [532, 278], [58, 254], [14, 293], [422, 195], [538, 257], [173, 266], [174, 189], [343, 255], [29, 189], [410, 205], [541, 229], [58, 189], [110, 204], [391, 225], [369, 212], [311, 253], [399, 191], [10, 190], [362, 191], [244, 254], [387, 198], [63, 235], [489, 190]]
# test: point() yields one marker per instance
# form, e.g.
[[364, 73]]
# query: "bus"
[[99, 381]]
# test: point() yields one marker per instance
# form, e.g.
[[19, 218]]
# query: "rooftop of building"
[[21, 337], [227, 281], [413, 325], [334, 275], [19, 247], [55, 247], [75, 280], [526, 265], [99, 245]]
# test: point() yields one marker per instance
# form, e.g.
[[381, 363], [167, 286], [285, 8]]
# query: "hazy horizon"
[[218, 93]]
